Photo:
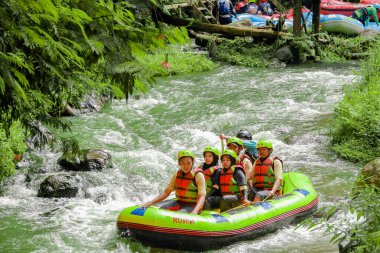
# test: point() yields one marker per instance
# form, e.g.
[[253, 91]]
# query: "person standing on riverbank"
[[189, 186], [364, 14], [226, 10]]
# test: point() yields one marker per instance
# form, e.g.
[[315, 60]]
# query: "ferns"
[[51, 50]]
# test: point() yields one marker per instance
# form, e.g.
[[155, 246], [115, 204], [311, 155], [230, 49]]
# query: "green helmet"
[[264, 144], [235, 140], [211, 150], [185, 153], [230, 153]]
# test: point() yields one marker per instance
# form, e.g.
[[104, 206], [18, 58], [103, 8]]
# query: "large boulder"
[[371, 173], [59, 186], [86, 160], [284, 54]]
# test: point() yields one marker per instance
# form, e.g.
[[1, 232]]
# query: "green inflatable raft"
[[211, 230]]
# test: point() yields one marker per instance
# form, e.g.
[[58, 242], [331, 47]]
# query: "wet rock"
[[69, 111], [59, 186], [276, 63], [91, 103], [42, 135], [284, 54], [87, 160], [371, 173]]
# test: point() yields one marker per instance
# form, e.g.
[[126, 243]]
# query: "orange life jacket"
[[264, 174], [186, 189], [208, 174], [228, 184], [240, 161]]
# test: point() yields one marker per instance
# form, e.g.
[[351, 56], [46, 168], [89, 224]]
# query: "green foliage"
[[244, 53], [180, 60], [340, 48], [9, 147], [53, 52], [358, 220], [356, 135]]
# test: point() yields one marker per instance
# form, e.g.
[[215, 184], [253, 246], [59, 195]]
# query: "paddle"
[[222, 142]]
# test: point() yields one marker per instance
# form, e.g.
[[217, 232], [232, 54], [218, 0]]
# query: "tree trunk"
[[297, 28], [316, 15], [213, 28]]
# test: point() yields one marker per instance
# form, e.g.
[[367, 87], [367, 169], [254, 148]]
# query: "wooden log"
[[204, 39], [213, 28], [177, 6]]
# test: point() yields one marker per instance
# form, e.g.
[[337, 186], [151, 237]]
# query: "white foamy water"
[[291, 106]]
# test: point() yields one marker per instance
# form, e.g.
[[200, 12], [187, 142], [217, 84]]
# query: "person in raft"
[[248, 144], [236, 144], [267, 173], [233, 182], [189, 186], [211, 170], [364, 14]]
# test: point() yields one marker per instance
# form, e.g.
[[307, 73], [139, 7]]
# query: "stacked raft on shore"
[[211, 230], [334, 23]]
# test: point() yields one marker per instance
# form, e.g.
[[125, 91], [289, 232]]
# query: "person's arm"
[[251, 175], [366, 22], [248, 168], [241, 180], [375, 16], [201, 184], [223, 137], [233, 11], [164, 195], [215, 179], [278, 177]]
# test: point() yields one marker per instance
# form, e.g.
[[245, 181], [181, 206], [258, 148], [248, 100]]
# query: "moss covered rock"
[[86, 160], [371, 173], [59, 186]]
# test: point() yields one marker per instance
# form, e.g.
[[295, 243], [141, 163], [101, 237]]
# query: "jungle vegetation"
[[356, 135], [54, 51]]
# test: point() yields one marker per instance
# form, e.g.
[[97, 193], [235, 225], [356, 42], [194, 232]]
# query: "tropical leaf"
[[2, 85]]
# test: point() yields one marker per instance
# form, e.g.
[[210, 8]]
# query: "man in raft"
[[267, 173], [189, 186]]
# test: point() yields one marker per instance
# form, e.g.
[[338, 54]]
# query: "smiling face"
[[186, 164], [209, 158]]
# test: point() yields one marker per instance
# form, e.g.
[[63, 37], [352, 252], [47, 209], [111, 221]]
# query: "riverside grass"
[[252, 53], [182, 60], [356, 135]]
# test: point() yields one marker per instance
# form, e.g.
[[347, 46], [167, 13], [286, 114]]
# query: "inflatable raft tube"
[[211, 230], [341, 24]]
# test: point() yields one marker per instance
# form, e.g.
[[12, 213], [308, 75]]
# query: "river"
[[291, 106]]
